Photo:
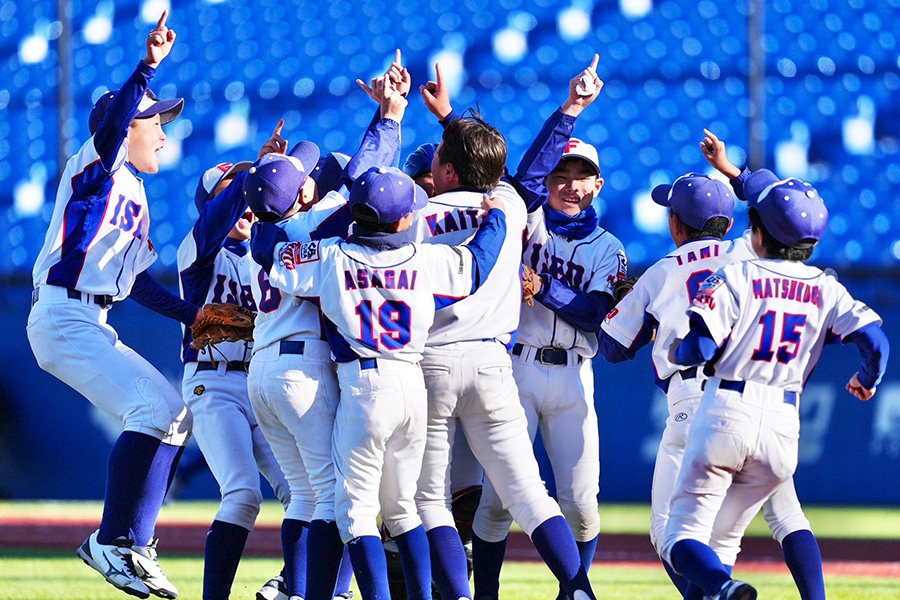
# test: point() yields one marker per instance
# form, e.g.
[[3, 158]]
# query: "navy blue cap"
[[327, 172], [206, 187], [419, 162], [168, 110], [273, 183], [696, 199], [388, 192], [791, 209]]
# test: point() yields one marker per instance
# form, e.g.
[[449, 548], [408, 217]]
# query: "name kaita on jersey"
[[460, 219]]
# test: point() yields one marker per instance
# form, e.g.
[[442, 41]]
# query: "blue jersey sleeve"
[[874, 348], [149, 294], [380, 147], [485, 246], [113, 129], [584, 310], [615, 352], [697, 347], [541, 158], [453, 116]]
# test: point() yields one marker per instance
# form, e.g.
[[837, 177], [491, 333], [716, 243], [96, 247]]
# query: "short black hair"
[[366, 218], [715, 227], [476, 149], [800, 252]]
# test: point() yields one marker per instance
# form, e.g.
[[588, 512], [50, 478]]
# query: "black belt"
[[689, 373], [291, 347], [102, 300], [547, 356], [738, 386], [235, 365]]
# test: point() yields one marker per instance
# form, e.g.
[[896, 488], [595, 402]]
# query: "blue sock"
[[370, 567], [554, 542], [697, 561], [680, 582], [449, 563], [127, 470], [586, 551], [415, 558], [224, 546], [345, 575], [803, 558], [487, 559], [323, 558], [162, 470], [293, 545], [695, 592]]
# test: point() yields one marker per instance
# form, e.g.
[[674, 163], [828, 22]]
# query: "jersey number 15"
[[791, 329]]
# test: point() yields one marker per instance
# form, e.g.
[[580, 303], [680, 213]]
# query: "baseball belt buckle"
[[552, 356], [104, 300]]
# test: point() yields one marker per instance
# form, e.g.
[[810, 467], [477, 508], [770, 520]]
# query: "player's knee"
[[784, 525], [658, 532], [583, 519], [241, 507], [491, 524]]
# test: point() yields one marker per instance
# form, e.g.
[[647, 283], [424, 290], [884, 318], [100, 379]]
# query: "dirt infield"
[[875, 558]]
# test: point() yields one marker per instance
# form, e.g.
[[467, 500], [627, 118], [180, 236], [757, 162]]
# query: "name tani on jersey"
[[389, 279], [454, 220], [705, 252], [786, 289]]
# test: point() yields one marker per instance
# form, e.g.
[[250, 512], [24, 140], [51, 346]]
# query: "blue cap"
[[206, 187], [168, 110], [327, 172], [273, 183], [419, 162], [791, 209], [388, 192], [696, 199]]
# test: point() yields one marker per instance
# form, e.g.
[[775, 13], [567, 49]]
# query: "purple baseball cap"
[[388, 192], [696, 199], [273, 183], [328, 171], [419, 162], [168, 110], [206, 187], [791, 209]]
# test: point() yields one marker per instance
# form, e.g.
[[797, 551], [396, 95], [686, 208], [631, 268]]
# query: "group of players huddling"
[[398, 376]]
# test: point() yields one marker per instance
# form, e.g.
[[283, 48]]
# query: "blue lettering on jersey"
[[390, 280], [705, 252], [566, 271], [787, 289], [464, 219]]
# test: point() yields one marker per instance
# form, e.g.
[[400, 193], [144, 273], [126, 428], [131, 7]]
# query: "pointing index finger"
[[162, 19], [711, 135], [397, 57], [594, 62], [278, 127], [440, 77]]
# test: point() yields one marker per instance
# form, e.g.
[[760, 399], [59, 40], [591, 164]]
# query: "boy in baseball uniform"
[[97, 251], [574, 264], [759, 326], [379, 292]]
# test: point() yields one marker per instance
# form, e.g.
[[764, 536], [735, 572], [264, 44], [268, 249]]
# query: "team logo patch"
[[307, 252], [199, 390], [704, 295], [681, 417]]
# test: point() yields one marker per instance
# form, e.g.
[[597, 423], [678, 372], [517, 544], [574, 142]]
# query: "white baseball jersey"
[[592, 264], [99, 235], [665, 291], [773, 318], [284, 318], [492, 312], [381, 302]]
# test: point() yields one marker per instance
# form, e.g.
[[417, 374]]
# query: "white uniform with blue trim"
[[97, 243], [771, 319], [213, 269], [379, 304], [552, 368], [292, 381]]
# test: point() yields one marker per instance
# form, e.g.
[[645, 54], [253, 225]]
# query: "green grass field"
[[36, 575]]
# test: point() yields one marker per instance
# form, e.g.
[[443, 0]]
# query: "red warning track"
[[876, 558]]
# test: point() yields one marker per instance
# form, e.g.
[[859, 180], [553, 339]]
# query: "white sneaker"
[[274, 589], [114, 562], [146, 565], [735, 590]]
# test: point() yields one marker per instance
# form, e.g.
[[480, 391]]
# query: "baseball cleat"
[[114, 562], [274, 589], [735, 590], [146, 565]]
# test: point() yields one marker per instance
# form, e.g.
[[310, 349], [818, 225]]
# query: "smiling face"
[[145, 139], [572, 185]]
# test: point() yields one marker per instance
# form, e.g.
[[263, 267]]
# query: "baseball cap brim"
[[421, 198], [660, 195], [168, 110], [308, 155], [756, 183]]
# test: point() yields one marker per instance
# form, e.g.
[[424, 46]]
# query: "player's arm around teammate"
[[575, 262], [743, 441], [97, 244]]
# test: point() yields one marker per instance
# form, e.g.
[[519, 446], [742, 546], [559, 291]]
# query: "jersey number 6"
[[394, 318]]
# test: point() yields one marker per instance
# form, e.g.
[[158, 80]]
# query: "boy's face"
[[426, 182], [572, 186], [440, 173], [145, 139]]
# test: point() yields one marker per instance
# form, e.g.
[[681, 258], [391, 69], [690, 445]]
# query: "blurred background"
[[807, 88]]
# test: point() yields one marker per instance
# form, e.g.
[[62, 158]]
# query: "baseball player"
[[215, 387], [379, 292], [759, 325], [576, 264], [292, 380], [96, 252], [467, 367]]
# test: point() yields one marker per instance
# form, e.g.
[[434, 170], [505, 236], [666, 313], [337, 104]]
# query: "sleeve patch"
[[706, 290], [308, 252]]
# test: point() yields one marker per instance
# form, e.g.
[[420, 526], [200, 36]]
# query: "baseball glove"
[[621, 288], [222, 323], [528, 277]]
